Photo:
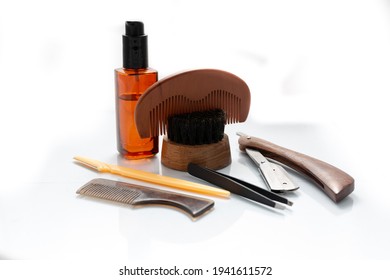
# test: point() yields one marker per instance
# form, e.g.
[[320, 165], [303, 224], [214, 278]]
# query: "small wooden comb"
[[141, 195], [189, 91]]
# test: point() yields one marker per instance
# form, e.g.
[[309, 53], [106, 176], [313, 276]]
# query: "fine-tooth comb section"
[[186, 92], [110, 192]]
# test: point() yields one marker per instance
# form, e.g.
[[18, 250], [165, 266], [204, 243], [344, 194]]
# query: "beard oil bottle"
[[131, 81]]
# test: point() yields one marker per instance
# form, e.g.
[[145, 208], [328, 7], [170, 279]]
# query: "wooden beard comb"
[[191, 108]]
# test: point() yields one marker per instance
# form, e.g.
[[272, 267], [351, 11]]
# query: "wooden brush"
[[196, 104]]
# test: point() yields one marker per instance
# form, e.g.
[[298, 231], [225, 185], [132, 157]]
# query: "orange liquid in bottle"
[[130, 85]]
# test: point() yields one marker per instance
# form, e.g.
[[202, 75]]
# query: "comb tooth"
[[230, 107], [226, 105], [215, 98], [158, 120], [223, 106], [184, 104], [238, 109], [223, 94], [179, 98], [226, 102], [155, 117], [152, 125], [209, 98], [159, 113], [234, 115], [152, 122], [190, 104], [235, 109], [187, 104], [155, 120], [166, 116], [169, 108], [167, 113], [180, 102], [175, 101], [172, 105], [162, 117], [231, 104], [218, 99]]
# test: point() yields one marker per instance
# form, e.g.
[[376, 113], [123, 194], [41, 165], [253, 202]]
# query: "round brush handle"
[[334, 182]]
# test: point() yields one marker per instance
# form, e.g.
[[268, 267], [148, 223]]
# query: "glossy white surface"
[[319, 81]]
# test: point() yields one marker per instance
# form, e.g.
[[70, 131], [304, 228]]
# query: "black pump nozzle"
[[135, 46], [134, 28]]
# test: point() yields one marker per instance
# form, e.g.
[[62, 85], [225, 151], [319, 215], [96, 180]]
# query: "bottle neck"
[[135, 52]]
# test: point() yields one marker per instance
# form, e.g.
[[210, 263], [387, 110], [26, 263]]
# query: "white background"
[[319, 77]]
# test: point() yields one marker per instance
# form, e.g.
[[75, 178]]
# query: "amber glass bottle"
[[131, 82]]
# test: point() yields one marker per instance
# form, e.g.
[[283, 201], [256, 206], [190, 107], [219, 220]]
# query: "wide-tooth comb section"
[[186, 92], [217, 99]]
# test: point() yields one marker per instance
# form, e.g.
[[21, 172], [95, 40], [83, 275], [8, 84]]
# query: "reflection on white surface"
[[46, 219]]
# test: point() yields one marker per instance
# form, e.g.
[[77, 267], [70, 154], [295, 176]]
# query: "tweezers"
[[238, 186]]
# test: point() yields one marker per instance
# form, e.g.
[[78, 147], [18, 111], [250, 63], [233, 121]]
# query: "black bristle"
[[197, 128]]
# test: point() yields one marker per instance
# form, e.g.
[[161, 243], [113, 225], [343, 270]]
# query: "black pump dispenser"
[[135, 46]]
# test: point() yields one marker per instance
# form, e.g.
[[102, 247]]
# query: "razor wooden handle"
[[334, 182]]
